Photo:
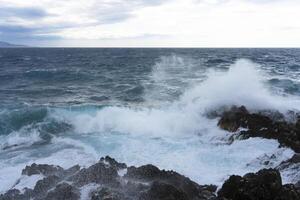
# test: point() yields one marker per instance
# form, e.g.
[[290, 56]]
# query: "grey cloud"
[[102, 12], [114, 12], [24, 12], [13, 33]]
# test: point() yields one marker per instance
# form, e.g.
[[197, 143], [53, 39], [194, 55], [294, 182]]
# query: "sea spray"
[[176, 135]]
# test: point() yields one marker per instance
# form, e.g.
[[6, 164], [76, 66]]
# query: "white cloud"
[[191, 23]]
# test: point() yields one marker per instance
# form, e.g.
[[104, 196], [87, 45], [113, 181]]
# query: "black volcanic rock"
[[146, 172], [41, 169], [107, 194], [266, 184], [97, 173], [183, 184], [233, 119], [42, 186], [259, 125], [139, 183], [295, 160], [163, 191], [113, 163], [147, 183], [63, 191]]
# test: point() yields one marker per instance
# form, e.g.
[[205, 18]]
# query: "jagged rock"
[[148, 183], [292, 161], [146, 172], [11, 195], [43, 186], [183, 184], [163, 191], [63, 191], [258, 125], [41, 169], [113, 163], [107, 194], [71, 170], [266, 184], [233, 119], [97, 173], [288, 192], [291, 169]]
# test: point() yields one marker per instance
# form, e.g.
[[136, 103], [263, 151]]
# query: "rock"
[[291, 168], [298, 123], [297, 185], [183, 184], [41, 169], [258, 125], [266, 184], [233, 119], [43, 186], [72, 170], [63, 191], [107, 194], [11, 194], [288, 192], [139, 183], [292, 161], [146, 172], [113, 163], [163, 191], [97, 173]]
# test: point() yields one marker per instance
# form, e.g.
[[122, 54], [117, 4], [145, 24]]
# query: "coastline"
[[109, 179]]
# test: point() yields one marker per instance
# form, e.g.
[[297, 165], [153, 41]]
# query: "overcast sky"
[[151, 23]]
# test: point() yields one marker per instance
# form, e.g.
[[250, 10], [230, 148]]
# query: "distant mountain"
[[6, 45]]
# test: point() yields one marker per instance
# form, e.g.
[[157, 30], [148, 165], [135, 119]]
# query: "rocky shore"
[[110, 180], [270, 125]]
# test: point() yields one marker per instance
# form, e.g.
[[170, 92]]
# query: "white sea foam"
[[180, 137], [28, 181], [87, 189], [177, 136], [242, 84], [17, 138]]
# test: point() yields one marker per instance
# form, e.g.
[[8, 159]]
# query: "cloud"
[[47, 19], [151, 22], [27, 13]]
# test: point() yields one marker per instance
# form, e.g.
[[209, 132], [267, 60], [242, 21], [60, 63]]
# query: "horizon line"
[[148, 47]]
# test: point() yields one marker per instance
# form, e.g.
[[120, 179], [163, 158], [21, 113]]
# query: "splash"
[[242, 84], [177, 136], [170, 77]]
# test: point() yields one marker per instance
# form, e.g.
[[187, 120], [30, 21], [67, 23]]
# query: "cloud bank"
[[170, 23]]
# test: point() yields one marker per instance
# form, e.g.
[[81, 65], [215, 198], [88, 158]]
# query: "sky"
[[151, 23]]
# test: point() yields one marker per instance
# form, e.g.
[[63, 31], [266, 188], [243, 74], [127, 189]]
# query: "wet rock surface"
[[141, 183], [263, 125], [102, 181], [266, 184]]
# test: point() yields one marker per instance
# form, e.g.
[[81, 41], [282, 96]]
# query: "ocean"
[[68, 106]]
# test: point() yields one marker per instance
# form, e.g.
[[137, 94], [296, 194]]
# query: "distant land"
[[9, 45]]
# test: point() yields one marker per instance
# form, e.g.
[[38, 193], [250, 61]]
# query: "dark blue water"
[[67, 106], [87, 76]]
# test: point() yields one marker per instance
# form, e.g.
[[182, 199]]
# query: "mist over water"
[[141, 106]]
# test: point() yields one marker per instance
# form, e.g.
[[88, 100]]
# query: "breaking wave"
[[177, 135]]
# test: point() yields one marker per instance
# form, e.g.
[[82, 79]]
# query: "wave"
[[176, 136], [13, 120], [242, 84]]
